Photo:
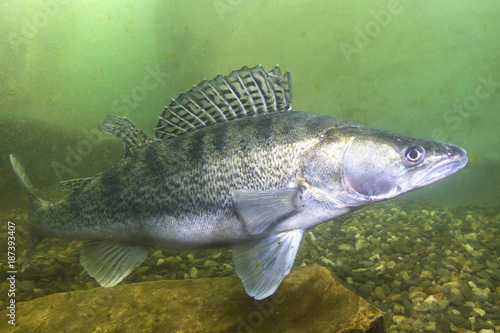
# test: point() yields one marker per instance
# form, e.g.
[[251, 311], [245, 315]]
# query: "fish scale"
[[232, 165]]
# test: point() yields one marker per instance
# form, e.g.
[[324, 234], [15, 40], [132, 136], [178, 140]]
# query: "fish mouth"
[[445, 168]]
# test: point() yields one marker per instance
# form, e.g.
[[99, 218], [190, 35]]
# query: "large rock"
[[308, 300]]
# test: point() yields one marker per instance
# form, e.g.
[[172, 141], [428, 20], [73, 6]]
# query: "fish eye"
[[414, 155]]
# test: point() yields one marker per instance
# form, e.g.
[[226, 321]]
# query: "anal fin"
[[73, 184], [109, 263], [263, 264]]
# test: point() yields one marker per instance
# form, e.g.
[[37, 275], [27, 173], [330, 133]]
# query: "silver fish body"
[[233, 165], [176, 193]]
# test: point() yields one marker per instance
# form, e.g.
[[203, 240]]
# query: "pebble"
[[394, 298], [228, 270], [398, 309], [25, 286], [492, 264], [391, 264], [193, 273], [210, 263], [417, 297], [426, 275], [217, 255], [366, 290], [466, 291], [379, 293], [480, 295], [327, 262], [361, 244], [157, 254], [480, 312], [49, 270], [38, 292], [471, 236], [441, 305], [398, 319], [345, 247], [430, 326], [457, 320], [418, 324], [443, 272]]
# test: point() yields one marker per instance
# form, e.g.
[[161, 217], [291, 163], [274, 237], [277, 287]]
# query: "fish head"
[[379, 165]]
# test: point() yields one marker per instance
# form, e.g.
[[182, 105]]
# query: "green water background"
[[420, 68]]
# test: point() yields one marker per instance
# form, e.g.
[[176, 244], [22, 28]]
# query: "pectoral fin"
[[263, 264], [260, 209], [109, 263]]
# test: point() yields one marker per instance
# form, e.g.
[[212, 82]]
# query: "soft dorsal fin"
[[245, 92], [124, 130]]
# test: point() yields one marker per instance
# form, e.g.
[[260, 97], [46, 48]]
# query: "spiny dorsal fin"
[[245, 92], [125, 130], [73, 184]]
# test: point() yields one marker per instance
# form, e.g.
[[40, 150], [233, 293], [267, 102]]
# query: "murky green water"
[[421, 68]]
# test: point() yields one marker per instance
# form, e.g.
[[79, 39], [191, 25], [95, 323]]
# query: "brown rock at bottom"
[[310, 299]]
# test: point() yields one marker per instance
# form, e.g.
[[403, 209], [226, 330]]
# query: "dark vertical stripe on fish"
[[195, 146], [265, 128], [152, 159], [219, 140]]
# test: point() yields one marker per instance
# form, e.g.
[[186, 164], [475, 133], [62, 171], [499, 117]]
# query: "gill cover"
[[372, 168]]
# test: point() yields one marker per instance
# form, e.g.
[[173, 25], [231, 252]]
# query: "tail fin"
[[23, 178], [34, 202]]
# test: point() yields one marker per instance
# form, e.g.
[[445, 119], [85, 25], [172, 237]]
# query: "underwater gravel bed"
[[430, 269]]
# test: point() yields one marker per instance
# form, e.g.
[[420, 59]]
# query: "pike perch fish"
[[232, 164]]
